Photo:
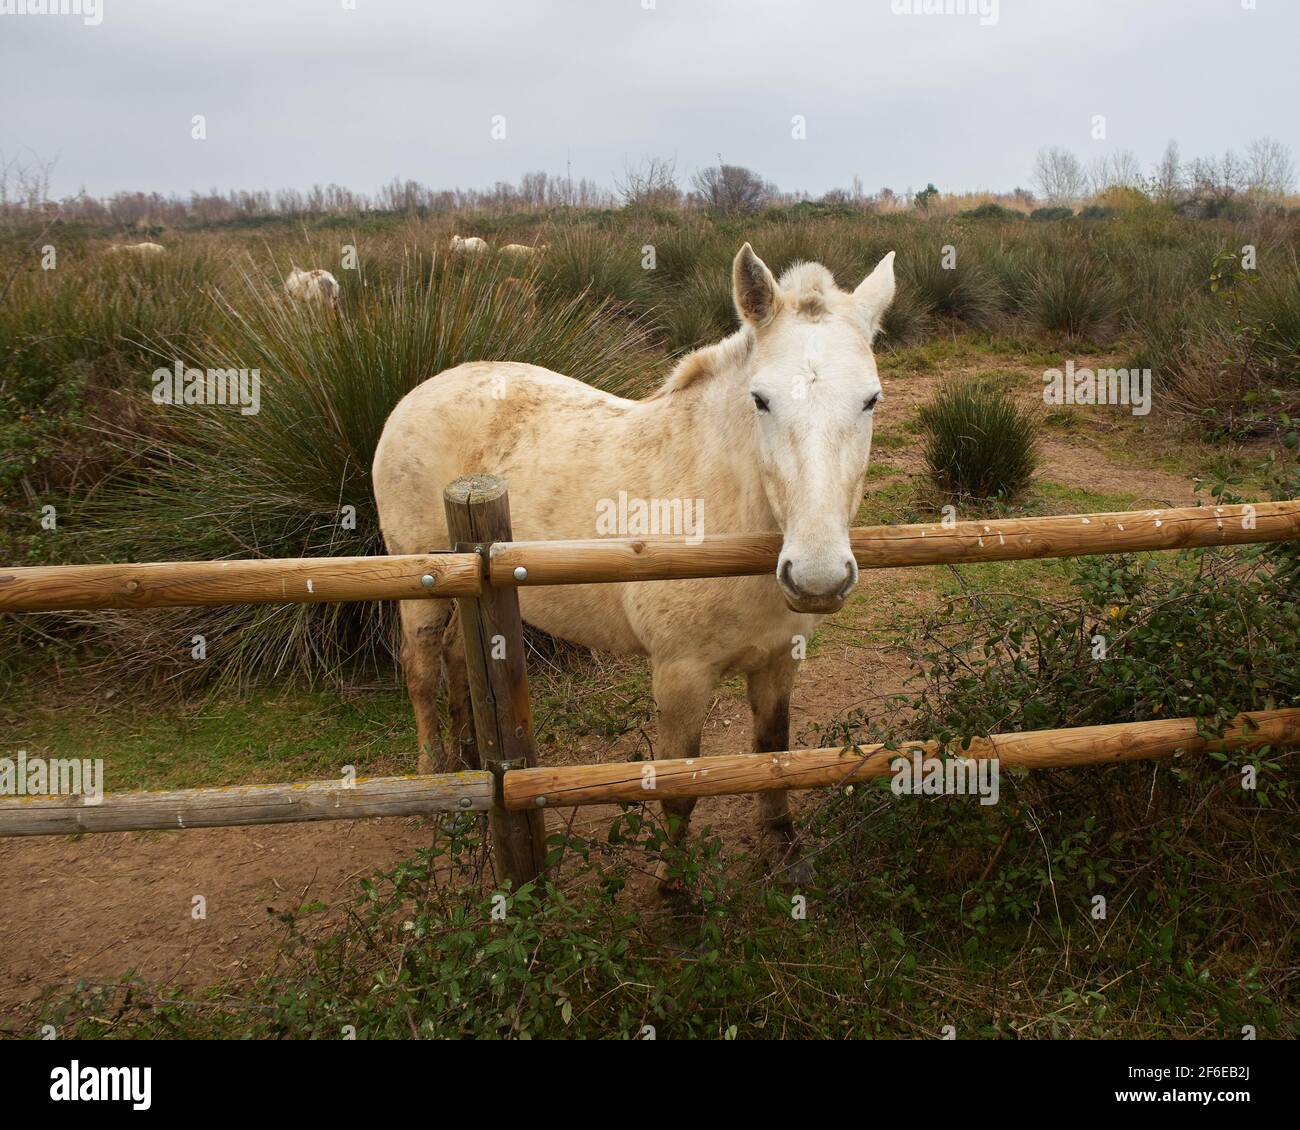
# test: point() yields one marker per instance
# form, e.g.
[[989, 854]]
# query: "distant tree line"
[[1265, 172], [1206, 186]]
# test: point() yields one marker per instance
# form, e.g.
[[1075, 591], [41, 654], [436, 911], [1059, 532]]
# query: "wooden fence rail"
[[482, 574], [224, 807], [189, 584], [311, 580], [632, 781], [883, 547], [624, 782]]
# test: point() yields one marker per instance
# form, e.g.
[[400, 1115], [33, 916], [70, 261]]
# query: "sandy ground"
[[97, 907]]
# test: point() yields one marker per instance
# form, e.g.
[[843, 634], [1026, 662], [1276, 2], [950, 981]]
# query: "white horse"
[[472, 243], [317, 287], [769, 429], [141, 249], [524, 250]]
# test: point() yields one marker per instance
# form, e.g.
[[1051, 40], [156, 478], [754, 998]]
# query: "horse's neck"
[[709, 438]]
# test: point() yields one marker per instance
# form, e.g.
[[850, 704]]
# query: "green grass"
[[263, 738]]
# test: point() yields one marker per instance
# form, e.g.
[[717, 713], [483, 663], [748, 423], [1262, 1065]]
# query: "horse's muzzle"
[[819, 603]]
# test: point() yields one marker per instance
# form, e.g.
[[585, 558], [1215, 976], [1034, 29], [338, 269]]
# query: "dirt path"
[[97, 907]]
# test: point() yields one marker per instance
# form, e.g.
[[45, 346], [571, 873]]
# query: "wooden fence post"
[[478, 514]]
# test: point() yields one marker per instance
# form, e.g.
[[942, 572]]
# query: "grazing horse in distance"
[[767, 430], [318, 286], [524, 251], [144, 250]]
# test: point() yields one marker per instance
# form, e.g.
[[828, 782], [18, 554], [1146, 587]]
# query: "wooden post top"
[[475, 488]]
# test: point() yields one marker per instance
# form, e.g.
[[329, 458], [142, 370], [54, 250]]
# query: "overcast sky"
[[302, 91]]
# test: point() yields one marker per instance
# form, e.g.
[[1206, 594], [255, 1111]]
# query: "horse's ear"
[[876, 292], [754, 290]]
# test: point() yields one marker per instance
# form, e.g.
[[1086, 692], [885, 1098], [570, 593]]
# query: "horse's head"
[[814, 388]]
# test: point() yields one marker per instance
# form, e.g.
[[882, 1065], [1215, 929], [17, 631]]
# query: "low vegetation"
[[1126, 902], [928, 912], [979, 443]]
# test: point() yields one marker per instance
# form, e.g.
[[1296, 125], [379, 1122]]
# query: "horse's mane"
[[806, 288], [709, 360]]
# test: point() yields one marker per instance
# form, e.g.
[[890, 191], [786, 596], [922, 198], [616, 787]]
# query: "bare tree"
[[1059, 175], [1168, 179], [1219, 179], [1120, 169], [1269, 168], [24, 186], [30, 183], [650, 184], [731, 189]]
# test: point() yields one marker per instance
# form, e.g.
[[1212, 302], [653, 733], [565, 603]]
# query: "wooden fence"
[[483, 571]]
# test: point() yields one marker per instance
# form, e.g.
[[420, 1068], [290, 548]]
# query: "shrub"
[[1074, 295], [1271, 306], [582, 260], [700, 311], [906, 322], [990, 210], [1055, 212], [978, 443], [220, 484], [1225, 358], [965, 292]]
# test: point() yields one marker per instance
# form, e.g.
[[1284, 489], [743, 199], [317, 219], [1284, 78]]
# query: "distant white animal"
[[145, 249], [468, 243], [317, 286], [523, 250]]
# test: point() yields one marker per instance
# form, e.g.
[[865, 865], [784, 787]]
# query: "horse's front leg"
[[769, 690], [682, 691]]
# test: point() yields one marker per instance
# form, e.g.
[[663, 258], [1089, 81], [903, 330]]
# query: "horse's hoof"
[[792, 874], [670, 887]]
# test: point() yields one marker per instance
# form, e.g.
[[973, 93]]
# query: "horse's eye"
[[759, 402], [870, 404]]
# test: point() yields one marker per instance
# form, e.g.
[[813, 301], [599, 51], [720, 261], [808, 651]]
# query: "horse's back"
[[549, 436]]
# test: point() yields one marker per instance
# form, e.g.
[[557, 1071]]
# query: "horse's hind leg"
[[464, 744], [769, 690], [682, 691], [424, 623]]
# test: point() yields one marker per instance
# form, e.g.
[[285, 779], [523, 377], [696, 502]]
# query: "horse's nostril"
[[785, 576], [850, 576]]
